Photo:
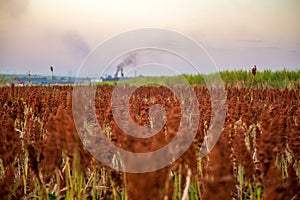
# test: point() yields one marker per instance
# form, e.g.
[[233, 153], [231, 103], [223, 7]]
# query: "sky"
[[237, 34]]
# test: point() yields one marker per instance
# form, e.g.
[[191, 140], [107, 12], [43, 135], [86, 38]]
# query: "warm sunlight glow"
[[35, 34]]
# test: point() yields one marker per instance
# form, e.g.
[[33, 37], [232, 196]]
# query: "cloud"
[[294, 52], [250, 41], [271, 47], [14, 8], [75, 43]]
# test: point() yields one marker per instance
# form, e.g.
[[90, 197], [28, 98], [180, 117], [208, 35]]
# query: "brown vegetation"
[[256, 156]]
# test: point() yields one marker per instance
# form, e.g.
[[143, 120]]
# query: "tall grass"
[[262, 79], [267, 78]]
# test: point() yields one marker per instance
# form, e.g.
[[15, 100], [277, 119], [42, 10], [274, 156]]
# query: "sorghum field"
[[256, 157]]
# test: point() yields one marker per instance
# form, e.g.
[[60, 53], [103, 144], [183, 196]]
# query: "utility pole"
[[28, 75], [51, 68]]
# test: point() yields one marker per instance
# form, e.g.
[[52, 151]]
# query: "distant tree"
[[2, 79]]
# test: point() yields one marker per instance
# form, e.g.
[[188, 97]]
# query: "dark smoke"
[[128, 59], [76, 44]]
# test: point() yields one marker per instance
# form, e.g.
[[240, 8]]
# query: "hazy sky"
[[237, 34]]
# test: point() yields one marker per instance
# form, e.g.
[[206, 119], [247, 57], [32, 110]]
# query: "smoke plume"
[[76, 44]]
